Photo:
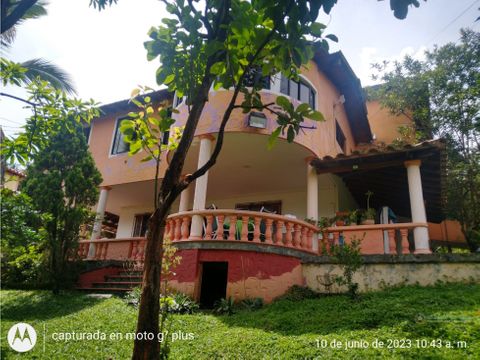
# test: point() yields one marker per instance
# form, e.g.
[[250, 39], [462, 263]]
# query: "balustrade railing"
[[258, 228], [114, 249], [246, 226], [372, 237]]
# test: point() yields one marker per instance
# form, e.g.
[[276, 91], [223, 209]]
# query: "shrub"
[[224, 306], [253, 304], [183, 304], [133, 297], [173, 304], [297, 293], [23, 257], [350, 259]]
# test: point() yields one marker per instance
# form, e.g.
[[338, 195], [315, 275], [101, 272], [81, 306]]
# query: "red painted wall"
[[250, 274], [98, 275]]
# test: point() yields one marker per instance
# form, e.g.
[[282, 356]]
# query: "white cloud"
[[371, 55]]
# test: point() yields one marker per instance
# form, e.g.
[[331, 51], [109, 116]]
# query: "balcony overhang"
[[382, 171]]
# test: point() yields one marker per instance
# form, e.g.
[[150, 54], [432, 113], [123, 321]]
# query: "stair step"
[[116, 284], [130, 273], [105, 290], [123, 277]]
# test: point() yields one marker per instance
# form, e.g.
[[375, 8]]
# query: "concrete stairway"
[[120, 283]]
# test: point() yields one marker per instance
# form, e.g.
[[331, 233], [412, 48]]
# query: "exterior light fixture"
[[257, 120]]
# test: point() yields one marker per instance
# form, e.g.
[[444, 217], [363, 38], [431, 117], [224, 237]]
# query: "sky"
[[103, 51]]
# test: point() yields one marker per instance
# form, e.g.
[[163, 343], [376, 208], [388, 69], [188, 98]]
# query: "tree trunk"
[[148, 315]]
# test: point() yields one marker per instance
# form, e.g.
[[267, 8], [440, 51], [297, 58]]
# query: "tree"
[[14, 13], [62, 179], [444, 92]]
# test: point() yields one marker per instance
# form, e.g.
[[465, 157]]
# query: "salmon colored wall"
[[250, 274], [447, 230], [384, 124], [121, 168], [320, 142]]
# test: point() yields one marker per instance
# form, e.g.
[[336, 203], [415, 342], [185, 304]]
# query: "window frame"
[[116, 129], [144, 217], [302, 81]]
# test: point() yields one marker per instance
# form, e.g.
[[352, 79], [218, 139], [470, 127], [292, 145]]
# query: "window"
[[299, 90], [119, 145], [140, 225], [340, 137], [254, 77]]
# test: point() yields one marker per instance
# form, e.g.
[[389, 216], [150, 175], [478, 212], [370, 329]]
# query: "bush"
[[224, 306], [297, 293], [23, 241], [183, 304], [174, 304], [252, 304], [133, 297]]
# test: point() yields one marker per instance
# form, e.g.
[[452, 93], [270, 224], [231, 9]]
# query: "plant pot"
[[368, 222], [340, 223]]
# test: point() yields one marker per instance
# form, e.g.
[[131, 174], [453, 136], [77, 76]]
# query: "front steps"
[[120, 283]]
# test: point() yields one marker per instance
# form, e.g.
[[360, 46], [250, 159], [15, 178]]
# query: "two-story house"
[[241, 229]]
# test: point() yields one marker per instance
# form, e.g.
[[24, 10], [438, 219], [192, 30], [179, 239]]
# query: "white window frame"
[[112, 143]]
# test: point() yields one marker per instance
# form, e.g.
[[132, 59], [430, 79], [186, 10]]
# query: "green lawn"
[[283, 330]]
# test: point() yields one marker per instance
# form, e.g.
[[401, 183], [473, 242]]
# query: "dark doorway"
[[214, 283]]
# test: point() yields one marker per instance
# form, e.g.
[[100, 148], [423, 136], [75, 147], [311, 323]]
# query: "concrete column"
[[312, 196], [100, 214], [417, 206], [200, 196], [185, 199]]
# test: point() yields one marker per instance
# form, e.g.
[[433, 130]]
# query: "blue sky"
[[104, 51]]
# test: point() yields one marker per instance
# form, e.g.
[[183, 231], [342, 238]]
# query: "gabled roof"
[[339, 72]]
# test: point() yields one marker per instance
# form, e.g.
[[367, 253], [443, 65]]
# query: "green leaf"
[[273, 137], [290, 134], [169, 79], [316, 29], [332, 37], [302, 108], [315, 115], [218, 68], [148, 158], [283, 102]]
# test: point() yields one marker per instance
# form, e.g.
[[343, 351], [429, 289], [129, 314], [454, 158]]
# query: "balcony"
[[259, 231]]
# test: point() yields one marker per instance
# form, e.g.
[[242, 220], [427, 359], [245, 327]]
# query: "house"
[[241, 229], [12, 179]]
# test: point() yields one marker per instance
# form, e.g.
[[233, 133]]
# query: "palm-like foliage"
[[47, 71], [39, 67]]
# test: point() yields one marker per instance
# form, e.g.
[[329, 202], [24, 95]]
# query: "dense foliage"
[[442, 94], [22, 241]]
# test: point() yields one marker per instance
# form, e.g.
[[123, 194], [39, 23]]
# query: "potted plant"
[[353, 217], [324, 222], [341, 217], [368, 217]]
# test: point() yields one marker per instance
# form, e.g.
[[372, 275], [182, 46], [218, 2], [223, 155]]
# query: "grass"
[[282, 330]]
